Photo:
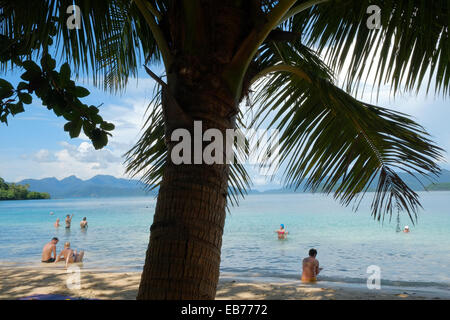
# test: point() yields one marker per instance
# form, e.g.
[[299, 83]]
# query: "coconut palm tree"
[[283, 56]]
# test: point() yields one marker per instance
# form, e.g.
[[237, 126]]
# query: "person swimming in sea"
[[406, 229], [310, 267], [69, 255], [57, 223], [282, 233]]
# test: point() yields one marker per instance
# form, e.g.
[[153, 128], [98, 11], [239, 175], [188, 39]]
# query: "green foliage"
[[55, 89], [18, 192]]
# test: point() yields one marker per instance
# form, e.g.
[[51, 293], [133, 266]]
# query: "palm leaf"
[[335, 143], [148, 157], [413, 40], [109, 45]]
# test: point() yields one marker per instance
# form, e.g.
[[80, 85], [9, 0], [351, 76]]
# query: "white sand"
[[18, 282]]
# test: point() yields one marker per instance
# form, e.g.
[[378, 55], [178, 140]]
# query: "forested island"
[[439, 187], [12, 191]]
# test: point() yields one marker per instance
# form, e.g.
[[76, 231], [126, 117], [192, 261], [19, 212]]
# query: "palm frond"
[[148, 156], [335, 143], [112, 38], [413, 40]]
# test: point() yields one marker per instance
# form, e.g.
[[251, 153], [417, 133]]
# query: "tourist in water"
[[69, 255], [83, 223], [282, 233], [406, 229], [310, 267], [56, 223], [49, 250], [68, 221]]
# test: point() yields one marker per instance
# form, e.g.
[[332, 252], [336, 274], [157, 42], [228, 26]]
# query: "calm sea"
[[347, 242]]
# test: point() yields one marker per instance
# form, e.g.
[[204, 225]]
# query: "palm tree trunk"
[[183, 256]]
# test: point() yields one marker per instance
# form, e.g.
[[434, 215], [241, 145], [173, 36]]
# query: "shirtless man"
[[69, 255], [68, 221], [48, 250], [83, 223], [310, 267], [56, 223]]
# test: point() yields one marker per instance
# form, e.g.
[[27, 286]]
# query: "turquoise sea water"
[[347, 242]]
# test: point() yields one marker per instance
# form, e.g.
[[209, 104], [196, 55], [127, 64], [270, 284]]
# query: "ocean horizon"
[[348, 242]]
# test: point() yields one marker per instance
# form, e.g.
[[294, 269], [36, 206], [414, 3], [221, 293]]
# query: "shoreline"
[[21, 282]]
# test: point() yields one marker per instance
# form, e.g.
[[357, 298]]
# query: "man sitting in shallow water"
[[49, 250], [310, 267]]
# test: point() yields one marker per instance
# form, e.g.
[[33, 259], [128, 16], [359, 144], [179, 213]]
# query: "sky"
[[34, 144]]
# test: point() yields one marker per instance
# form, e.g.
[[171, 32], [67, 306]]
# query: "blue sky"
[[34, 144]]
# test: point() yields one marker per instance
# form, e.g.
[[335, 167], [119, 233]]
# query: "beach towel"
[[52, 297]]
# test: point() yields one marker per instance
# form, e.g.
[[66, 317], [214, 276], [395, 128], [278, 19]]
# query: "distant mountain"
[[109, 186], [419, 184], [98, 186]]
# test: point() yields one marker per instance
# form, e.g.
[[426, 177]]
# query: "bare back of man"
[[310, 267], [49, 250]]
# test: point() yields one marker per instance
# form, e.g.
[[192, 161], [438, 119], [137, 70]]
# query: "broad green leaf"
[[64, 75], [16, 108], [25, 98], [81, 92]]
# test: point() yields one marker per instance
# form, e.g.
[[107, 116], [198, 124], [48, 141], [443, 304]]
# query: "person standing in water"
[[68, 221], [83, 223], [310, 266], [56, 223], [406, 229], [282, 233]]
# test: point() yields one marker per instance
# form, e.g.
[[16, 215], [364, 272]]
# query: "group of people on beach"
[[310, 265], [68, 254]]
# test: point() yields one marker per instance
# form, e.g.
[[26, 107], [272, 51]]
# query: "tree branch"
[[301, 7], [234, 75], [157, 32], [281, 68]]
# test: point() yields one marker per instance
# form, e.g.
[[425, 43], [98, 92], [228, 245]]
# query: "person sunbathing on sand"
[[310, 267], [49, 250], [282, 233], [69, 255]]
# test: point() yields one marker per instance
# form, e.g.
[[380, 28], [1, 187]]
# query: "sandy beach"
[[20, 282]]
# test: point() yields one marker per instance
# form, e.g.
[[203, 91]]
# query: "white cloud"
[[43, 155], [78, 157]]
